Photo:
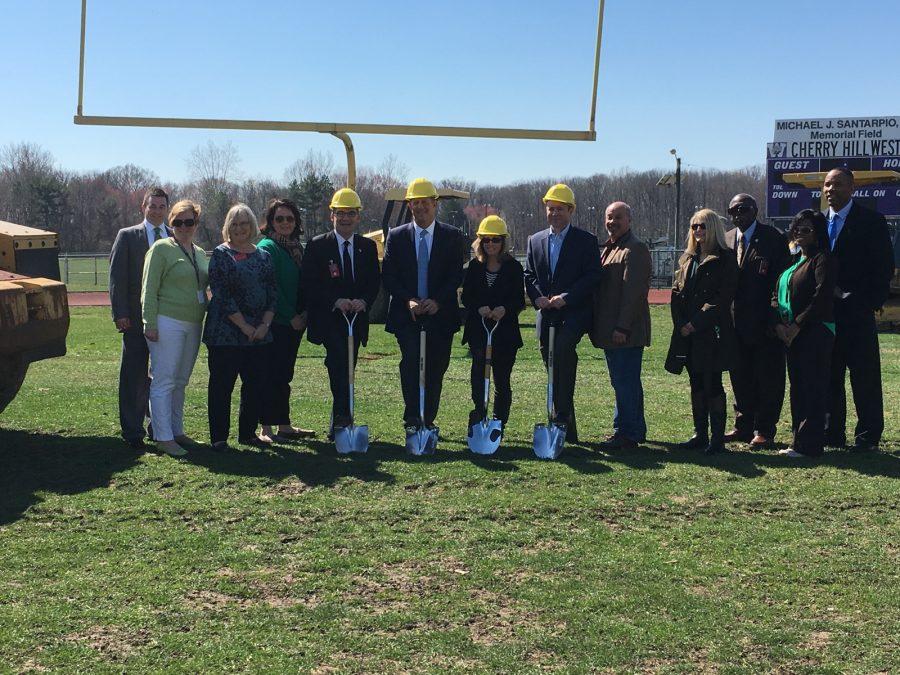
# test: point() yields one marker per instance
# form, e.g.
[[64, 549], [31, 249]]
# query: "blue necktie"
[[832, 230], [422, 264]]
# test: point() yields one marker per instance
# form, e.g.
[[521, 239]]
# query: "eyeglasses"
[[802, 229], [184, 222], [740, 208], [698, 226], [284, 219], [492, 240]]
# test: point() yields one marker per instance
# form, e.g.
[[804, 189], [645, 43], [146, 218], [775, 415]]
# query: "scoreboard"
[[812, 145]]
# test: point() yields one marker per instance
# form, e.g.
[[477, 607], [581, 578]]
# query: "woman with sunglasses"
[[804, 304], [173, 300], [242, 281], [281, 239], [493, 290], [703, 340]]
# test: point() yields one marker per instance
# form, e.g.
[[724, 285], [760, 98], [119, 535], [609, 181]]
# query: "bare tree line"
[[86, 209]]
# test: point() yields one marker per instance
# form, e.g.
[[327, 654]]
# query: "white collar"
[[429, 229], [341, 240]]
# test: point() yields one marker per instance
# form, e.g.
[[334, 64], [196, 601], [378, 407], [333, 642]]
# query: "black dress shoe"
[[136, 443], [864, 446], [695, 442]]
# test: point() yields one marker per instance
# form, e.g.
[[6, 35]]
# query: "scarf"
[[292, 246]]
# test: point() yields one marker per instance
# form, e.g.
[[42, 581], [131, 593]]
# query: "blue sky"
[[706, 77]]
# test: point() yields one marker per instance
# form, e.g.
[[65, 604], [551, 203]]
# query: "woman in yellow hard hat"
[[493, 290]]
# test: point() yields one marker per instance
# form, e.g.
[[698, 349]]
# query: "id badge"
[[201, 297], [334, 270]]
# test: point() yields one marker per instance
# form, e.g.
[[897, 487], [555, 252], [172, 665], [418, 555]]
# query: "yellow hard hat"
[[493, 226], [421, 188], [345, 198], [560, 193]]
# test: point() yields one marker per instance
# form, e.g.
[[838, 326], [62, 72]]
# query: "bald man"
[[622, 323], [757, 373]]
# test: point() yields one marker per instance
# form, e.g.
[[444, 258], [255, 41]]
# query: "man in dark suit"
[[562, 268], [422, 270], [340, 277], [126, 267], [757, 374], [861, 243]]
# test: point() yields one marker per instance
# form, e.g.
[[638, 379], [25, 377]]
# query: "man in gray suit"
[[126, 267]]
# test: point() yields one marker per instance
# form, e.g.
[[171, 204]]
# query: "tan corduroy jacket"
[[620, 301]]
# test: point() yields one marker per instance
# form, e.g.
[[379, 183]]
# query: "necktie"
[[742, 248], [157, 233], [833, 230], [347, 263], [422, 264]]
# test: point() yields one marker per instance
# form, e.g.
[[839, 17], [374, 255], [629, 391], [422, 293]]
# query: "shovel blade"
[[422, 441], [484, 437], [351, 439], [549, 440]]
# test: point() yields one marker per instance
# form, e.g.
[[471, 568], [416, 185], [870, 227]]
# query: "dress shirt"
[[340, 241], [555, 246], [148, 228], [841, 218], [747, 234], [429, 238]]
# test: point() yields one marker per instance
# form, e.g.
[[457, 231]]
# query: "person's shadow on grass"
[[35, 462]]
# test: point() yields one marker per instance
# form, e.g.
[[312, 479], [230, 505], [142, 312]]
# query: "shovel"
[[484, 436], [549, 438], [423, 440], [351, 438]]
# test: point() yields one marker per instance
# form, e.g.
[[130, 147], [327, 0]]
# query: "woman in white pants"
[[173, 298]]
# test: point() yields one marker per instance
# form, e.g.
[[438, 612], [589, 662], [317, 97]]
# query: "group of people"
[[749, 301]]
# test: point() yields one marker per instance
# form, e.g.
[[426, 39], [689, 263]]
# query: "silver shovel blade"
[[549, 440], [351, 439], [484, 437], [422, 441]]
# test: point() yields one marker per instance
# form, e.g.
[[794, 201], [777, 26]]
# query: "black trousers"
[[502, 361], [225, 364], [281, 357], [856, 349], [437, 359], [808, 362], [565, 358], [134, 385], [706, 384], [757, 378], [338, 376]]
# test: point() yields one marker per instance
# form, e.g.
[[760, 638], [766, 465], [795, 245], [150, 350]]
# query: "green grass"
[[85, 274], [300, 560]]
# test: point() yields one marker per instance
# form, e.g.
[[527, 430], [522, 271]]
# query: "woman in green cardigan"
[[281, 238], [173, 300]]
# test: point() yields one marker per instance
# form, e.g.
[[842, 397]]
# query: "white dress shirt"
[[340, 241], [148, 228]]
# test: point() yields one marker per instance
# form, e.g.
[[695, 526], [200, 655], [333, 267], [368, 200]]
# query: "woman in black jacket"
[[804, 304], [493, 289], [704, 339]]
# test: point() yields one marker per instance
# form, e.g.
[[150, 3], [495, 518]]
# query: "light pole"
[[677, 193]]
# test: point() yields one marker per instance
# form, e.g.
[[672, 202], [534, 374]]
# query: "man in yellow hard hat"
[[562, 268], [422, 270], [340, 278]]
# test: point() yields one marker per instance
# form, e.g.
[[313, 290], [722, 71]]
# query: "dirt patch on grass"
[[115, 643], [290, 487], [817, 640]]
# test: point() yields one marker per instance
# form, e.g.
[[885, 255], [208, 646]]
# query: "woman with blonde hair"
[[703, 339], [493, 291], [242, 281], [173, 302]]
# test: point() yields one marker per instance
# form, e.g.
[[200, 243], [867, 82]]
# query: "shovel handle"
[[422, 376]]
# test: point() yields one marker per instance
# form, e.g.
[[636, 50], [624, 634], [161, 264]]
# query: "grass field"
[[85, 274], [295, 559]]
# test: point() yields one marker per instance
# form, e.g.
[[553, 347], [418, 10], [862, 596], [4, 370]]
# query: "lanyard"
[[192, 257]]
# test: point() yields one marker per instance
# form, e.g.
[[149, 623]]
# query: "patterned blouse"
[[239, 282]]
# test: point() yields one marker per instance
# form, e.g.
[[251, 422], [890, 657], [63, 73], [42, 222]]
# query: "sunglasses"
[[284, 219], [492, 240], [802, 229], [698, 226], [740, 208], [184, 222]]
